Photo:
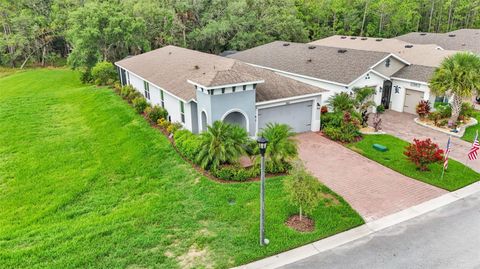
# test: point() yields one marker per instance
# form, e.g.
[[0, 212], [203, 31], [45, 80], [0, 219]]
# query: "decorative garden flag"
[[447, 151], [472, 154]]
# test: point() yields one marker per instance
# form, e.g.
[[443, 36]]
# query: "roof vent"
[[451, 35], [286, 44], [341, 50], [378, 39], [463, 44], [343, 37], [423, 33], [363, 38], [196, 67], [353, 38], [408, 46], [311, 47], [309, 60]]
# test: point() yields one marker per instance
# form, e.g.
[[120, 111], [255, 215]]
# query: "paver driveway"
[[402, 126], [373, 190]]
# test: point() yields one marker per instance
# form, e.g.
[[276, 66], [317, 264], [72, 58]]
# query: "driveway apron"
[[403, 126], [373, 190]]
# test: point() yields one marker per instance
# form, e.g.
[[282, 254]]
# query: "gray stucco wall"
[[217, 106]]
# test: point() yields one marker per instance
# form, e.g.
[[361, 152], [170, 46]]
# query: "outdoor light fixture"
[[262, 145]]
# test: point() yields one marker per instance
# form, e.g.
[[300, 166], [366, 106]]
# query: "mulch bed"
[[304, 225]]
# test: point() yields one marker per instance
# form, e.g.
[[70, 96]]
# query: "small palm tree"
[[459, 77], [281, 146], [222, 143], [340, 102]]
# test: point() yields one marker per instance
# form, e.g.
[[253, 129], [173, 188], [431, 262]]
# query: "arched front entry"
[[204, 121], [236, 117]]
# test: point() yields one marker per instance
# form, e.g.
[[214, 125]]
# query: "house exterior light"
[[262, 145]]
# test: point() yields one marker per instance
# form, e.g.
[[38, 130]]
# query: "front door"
[[386, 93]]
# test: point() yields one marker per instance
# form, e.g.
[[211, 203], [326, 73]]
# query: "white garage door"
[[411, 101], [296, 115]]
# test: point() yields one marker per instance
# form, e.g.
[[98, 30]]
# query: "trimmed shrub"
[[86, 76], [445, 110], [423, 108], [132, 95], [380, 109], [187, 143], [333, 119], [234, 173], [467, 111], [423, 152], [140, 104], [347, 132], [104, 73], [117, 87], [172, 128], [155, 113], [164, 123], [126, 90], [435, 116]]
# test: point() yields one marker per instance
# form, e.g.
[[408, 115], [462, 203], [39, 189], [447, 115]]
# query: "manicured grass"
[[470, 132], [86, 182], [455, 177]]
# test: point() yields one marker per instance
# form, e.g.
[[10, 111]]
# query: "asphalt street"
[[448, 237]]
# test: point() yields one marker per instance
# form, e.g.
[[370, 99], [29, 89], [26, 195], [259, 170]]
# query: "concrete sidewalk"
[[363, 231]]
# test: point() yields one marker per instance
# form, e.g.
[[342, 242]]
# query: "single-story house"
[[332, 68], [197, 89]]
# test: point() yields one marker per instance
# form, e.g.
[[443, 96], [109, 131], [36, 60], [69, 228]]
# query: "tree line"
[[43, 32]]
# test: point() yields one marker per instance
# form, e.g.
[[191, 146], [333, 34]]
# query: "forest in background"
[[46, 32]]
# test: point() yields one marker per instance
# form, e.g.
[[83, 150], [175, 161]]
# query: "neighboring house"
[[334, 69], [198, 88], [459, 40]]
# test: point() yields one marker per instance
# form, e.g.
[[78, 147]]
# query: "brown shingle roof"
[[171, 67], [428, 55], [415, 72], [320, 62], [224, 77], [463, 39]]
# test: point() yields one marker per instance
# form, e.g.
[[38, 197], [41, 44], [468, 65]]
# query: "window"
[[244, 87], [234, 88], [128, 78], [162, 98], [146, 87], [223, 90], [182, 111]]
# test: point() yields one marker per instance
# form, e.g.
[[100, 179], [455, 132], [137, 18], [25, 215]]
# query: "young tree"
[[459, 77], [302, 189]]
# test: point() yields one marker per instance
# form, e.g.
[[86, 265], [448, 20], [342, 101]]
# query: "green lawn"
[[86, 182], [471, 131], [455, 177]]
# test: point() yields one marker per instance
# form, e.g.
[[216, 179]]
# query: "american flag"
[[472, 154], [447, 151]]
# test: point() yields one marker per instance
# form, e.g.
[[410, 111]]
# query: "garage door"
[[411, 101], [297, 115]]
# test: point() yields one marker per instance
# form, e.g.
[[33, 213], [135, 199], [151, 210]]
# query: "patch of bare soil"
[[304, 225]]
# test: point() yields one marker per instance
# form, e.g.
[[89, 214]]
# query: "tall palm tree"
[[222, 143], [281, 146], [459, 77]]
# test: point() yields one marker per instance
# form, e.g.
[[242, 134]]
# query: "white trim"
[[240, 111], [388, 56], [154, 85], [380, 74], [409, 80], [287, 99], [298, 75], [226, 85], [206, 119]]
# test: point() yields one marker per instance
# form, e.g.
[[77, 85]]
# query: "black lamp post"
[[262, 144]]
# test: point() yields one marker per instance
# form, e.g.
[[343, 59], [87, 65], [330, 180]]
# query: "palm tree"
[[459, 77], [340, 102], [222, 143], [281, 146]]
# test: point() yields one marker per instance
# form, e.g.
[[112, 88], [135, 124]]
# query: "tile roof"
[[320, 62], [171, 67], [415, 72], [428, 55], [463, 39]]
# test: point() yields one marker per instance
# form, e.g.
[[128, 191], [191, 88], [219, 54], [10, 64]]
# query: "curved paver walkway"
[[403, 126], [373, 190]]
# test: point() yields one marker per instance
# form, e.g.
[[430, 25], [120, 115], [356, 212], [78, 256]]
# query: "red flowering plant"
[[423, 152], [423, 108], [323, 109]]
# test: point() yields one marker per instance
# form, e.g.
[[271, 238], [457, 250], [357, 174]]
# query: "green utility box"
[[379, 147]]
